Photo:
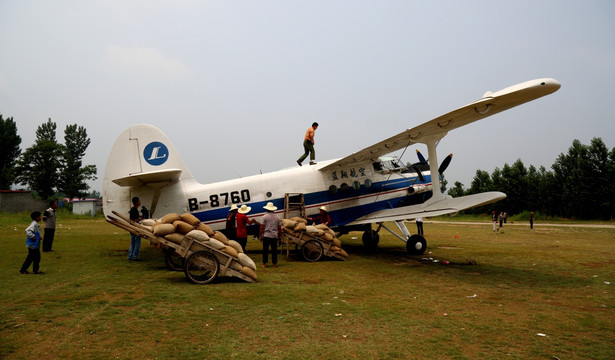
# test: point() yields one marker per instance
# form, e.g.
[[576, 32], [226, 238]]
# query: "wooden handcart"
[[200, 262], [312, 247]]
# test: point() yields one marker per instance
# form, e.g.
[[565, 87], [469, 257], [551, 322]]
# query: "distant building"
[[19, 201], [86, 206]]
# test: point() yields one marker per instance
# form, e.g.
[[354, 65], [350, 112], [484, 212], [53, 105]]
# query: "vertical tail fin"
[[142, 161]]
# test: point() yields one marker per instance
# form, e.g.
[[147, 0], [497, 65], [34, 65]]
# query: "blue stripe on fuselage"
[[320, 198]]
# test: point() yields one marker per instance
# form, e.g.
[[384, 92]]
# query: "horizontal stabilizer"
[[162, 176], [443, 207]]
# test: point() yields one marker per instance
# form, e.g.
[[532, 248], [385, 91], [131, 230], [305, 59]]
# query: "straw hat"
[[244, 209], [270, 207], [323, 208], [233, 207]]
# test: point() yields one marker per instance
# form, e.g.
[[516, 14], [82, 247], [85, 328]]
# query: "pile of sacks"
[[298, 227], [176, 228]]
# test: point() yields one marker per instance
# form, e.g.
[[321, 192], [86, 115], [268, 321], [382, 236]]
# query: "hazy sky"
[[235, 84]]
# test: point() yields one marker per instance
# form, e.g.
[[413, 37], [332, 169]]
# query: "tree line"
[[47, 167], [579, 185]]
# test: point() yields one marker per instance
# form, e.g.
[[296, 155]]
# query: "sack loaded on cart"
[[202, 253], [312, 241]]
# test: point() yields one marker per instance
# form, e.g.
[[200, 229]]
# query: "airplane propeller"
[[445, 163], [420, 156]]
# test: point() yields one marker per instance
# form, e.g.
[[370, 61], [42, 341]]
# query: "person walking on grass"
[[308, 145], [419, 225], [532, 220], [33, 242]]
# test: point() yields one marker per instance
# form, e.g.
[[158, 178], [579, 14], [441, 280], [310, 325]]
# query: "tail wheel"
[[416, 245], [312, 250], [201, 267], [370, 239], [173, 261]]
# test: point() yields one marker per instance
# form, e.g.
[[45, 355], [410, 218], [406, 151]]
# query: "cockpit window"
[[388, 163]]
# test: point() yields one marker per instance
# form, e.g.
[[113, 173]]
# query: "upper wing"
[[489, 104], [446, 206]]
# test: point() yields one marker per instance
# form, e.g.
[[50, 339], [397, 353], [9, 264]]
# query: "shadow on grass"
[[479, 273]]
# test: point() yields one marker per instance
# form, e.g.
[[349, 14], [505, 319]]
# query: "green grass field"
[[496, 295]]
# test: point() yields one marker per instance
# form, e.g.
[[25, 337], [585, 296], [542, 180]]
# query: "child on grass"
[[33, 242]]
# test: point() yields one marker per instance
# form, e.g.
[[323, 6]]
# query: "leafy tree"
[[457, 190], [73, 176], [39, 165], [481, 183], [512, 181], [583, 175], [9, 151], [580, 184]]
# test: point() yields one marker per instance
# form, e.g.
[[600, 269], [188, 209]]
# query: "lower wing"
[[429, 209]]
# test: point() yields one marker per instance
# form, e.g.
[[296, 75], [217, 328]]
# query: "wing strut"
[[433, 168]]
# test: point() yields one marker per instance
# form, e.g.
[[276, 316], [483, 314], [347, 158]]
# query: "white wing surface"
[[489, 104], [448, 205]]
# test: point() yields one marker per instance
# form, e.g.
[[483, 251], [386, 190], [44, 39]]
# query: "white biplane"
[[359, 190]]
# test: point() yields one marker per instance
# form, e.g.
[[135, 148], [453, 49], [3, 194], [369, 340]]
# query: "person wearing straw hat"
[[231, 223], [242, 225], [270, 233], [322, 218]]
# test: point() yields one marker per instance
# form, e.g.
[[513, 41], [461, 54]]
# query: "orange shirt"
[[309, 135]]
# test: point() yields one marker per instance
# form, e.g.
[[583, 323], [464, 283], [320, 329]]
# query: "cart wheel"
[[312, 250], [174, 261], [201, 267]]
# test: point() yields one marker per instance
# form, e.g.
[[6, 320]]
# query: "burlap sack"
[[249, 272], [245, 260], [313, 230], [235, 245], [322, 227], [206, 228], [169, 218], [299, 219], [163, 229], [300, 226], [215, 244], [288, 223], [182, 227], [220, 237], [230, 250], [190, 219], [337, 242], [198, 235], [236, 265], [148, 222], [175, 237], [343, 253]]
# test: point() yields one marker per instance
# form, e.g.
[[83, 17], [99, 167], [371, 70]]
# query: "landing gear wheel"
[[201, 267], [370, 239], [416, 245], [312, 250], [173, 261]]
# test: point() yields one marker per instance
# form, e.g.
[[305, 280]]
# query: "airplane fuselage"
[[360, 188]]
